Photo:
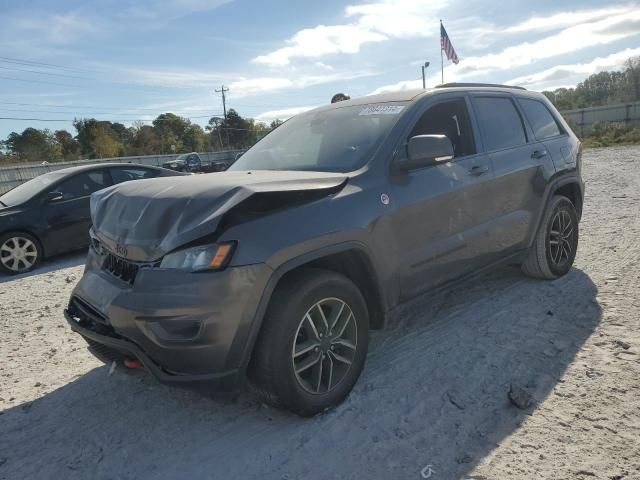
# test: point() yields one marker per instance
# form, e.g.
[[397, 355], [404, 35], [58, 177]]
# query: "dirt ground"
[[431, 403]]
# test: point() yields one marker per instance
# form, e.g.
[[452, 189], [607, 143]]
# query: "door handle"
[[478, 170], [539, 154]]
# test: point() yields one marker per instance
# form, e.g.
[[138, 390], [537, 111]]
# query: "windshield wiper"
[[3, 204]]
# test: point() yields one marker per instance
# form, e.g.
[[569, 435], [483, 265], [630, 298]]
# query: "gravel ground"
[[431, 403]]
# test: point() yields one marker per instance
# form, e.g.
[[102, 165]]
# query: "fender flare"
[[288, 266], [553, 187]]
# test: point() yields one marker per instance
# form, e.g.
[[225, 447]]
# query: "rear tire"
[[19, 253], [556, 243], [313, 342]]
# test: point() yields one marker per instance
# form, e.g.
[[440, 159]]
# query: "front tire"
[[19, 253], [313, 343], [556, 243]]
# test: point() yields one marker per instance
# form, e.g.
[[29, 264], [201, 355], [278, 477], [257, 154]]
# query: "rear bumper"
[[186, 328]]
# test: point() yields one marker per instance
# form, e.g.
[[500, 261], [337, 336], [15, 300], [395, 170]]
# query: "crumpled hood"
[[145, 219]]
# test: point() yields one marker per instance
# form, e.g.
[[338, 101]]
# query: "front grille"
[[119, 267]]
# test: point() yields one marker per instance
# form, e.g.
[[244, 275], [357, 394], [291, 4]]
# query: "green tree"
[[170, 130], [144, 141], [275, 124], [194, 139], [33, 145], [69, 145], [98, 139], [103, 143]]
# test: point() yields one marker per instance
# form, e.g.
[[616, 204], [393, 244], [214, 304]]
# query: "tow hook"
[[132, 363]]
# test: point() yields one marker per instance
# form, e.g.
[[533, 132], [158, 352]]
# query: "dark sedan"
[[49, 214]]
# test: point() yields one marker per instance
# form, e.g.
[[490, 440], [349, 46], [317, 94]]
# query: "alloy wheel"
[[18, 254], [324, 346], [561, 238]]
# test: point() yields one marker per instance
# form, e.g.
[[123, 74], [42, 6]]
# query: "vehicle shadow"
[[67, 260], [433, 396]]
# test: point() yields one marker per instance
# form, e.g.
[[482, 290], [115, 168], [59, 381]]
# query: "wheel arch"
[[351, 259], [570, 186]]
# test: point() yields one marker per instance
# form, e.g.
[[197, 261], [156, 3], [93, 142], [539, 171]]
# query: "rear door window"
[[540, 118], [500, 123], [124, 174]]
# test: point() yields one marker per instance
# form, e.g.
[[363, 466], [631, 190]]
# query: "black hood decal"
[[153, 217]]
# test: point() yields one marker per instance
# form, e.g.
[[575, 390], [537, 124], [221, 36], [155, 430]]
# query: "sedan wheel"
[[18, 253]]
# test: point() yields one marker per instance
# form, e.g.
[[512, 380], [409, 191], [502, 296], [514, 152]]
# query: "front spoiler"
[[228, 381]]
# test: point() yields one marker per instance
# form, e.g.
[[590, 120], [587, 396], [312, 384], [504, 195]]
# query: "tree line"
[[168, 133], [604, 88]]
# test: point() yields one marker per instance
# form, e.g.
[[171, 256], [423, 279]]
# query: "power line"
[[99, 113], [39, 81], [112, 121], [87, 106], [20, 61], [44, 73]]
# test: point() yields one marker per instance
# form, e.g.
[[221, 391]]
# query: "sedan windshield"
[[27, 190], [341, 139]]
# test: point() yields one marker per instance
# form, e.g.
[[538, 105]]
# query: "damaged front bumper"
[[189, 329]]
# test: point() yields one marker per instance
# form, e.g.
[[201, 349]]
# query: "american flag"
[[445, 44]]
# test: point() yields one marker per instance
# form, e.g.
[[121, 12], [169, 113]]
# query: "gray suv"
[[276, 269]]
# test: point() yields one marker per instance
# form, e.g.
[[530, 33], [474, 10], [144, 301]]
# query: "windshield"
[[337, 140], [27, 190], [181, 157]]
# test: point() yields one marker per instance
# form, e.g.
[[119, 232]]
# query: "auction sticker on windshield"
[[381, 110]]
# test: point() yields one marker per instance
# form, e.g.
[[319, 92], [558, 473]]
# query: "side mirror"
[[425, 150], [52, 197]]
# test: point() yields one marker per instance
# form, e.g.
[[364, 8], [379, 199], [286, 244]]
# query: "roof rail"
[[453, 84]]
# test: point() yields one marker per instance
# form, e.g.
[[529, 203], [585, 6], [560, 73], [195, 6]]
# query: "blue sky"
[[126, 60]]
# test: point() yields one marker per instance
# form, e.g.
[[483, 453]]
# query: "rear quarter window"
[[500, 123], [542, 122]]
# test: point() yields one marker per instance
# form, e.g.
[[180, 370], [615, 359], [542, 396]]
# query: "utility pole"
[[424, 81], [223, 90]]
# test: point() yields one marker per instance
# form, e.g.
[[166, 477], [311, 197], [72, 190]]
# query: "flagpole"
[[441, 57]]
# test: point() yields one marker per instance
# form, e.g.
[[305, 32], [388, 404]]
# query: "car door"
[[549, 131], [67, 216], [519, 162], [435, 205]]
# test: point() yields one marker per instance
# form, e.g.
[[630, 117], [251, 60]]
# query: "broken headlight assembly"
[[201, 257]]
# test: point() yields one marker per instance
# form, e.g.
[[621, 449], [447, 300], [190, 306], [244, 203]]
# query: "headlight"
[[202, 257]]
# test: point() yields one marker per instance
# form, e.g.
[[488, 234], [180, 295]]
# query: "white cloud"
[[398, 18], [571, 39], [181, 78], [59, 29], [252, 86], [283, 114], [564, 19], [399, 86], [321, 40], [615, 61], [164, 10], [371, 22]]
